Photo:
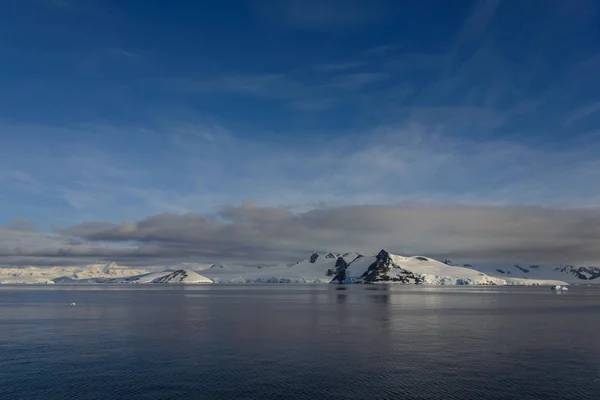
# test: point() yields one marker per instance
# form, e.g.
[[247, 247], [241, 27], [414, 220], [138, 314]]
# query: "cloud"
[[425, 164], [322, 15], [202, 166], [358, 80], [253, 234], [310, 92], [379, 50], [64, 4], [21, 225], [318, 104], [274, 85], [582, 113], [340, 66], [477, 22]]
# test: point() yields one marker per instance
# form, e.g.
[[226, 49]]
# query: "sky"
[[153, 132]]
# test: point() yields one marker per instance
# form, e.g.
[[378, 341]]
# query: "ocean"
[[298, 342]]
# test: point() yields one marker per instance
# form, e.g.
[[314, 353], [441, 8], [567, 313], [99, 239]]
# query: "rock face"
[[182, 276], [522, 269], [583, 273], [340, 266], [383, 269]]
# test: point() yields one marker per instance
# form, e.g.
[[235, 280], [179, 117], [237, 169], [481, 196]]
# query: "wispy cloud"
[[315, 15], [582, 113], [340, 66], [58, 3], [204, 166], [357, 81], [315, 93], [267, 85], [378, 50], [477, 22]]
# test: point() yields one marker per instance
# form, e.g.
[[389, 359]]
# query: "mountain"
[[384, 267], [391, 268], [168, 276], [381, 268], [532, 272], [182, 276], [17, 275], [110, 270], [582, 273], [66, 274], [327, 267], [317, 268]]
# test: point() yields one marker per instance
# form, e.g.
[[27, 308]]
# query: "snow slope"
[[531, 272], [49, 274], [182, 276], [110, 270], [318, 268], [391, 268], [168, 276], [356, 268], [14, 275], [384, 267]]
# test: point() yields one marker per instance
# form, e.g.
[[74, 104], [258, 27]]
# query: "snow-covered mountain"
[[50, 274], [380, 268], [182, 276], [531, 272], [110, 270], [168, 276], [34, 274], [317, 268], [581, 273], [329, 267], [357, 268]]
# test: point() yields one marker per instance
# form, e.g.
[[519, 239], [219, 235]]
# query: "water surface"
[[298, 342]]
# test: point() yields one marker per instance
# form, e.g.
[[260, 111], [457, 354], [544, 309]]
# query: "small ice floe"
[[559, 288], [73, 304]]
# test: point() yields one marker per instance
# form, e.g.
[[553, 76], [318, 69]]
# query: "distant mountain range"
[[340, 268]]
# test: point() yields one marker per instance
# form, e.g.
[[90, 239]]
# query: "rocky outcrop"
[[339, 269], [583, 273], [385, 270]]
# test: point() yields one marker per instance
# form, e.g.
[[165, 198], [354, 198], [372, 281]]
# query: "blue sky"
[[116, 111]]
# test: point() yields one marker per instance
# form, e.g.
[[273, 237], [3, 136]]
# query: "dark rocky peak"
[[383, 255], [313, 258], [178, 276], [524, 270], [339, 269], [448, 262], [385, 270], [583, 273]]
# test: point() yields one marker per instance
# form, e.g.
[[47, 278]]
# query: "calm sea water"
[[298, 342]]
